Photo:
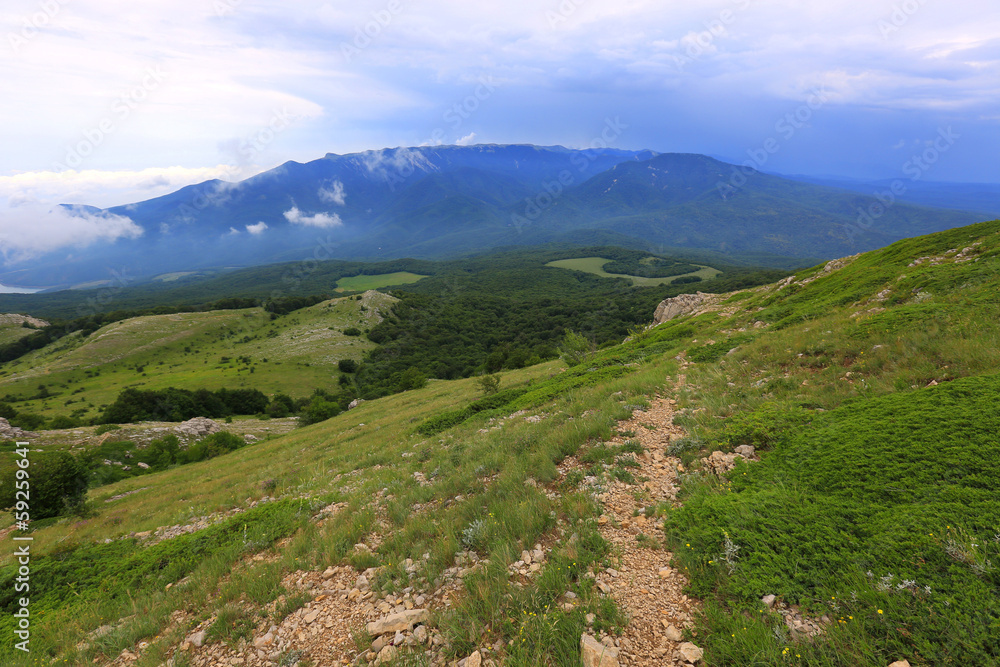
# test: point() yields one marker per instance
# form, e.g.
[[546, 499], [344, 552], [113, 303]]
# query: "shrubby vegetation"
[[57, 485], [509, 311], [887, 520], [655, 267], [135, 405]]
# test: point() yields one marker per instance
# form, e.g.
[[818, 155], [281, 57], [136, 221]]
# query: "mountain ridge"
[[435, 202]]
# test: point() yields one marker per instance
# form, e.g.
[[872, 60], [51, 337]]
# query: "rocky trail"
[[342, 620], [644, 583]]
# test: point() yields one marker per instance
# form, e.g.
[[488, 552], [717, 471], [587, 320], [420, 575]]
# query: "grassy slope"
[[878, 512], [365, 446], [186, 350], [12, 332], [933, 328]]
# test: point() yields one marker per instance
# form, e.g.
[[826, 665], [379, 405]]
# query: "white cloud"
[[394, 163], [29, 229], [228, 79], [334, 194], [467, 140], [321, 220], [108, 188], [257, 229]]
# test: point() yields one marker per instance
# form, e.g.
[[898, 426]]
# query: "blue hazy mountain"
[[441, 201]]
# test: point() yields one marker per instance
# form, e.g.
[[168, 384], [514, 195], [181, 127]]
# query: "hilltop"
[[243, 348], [14, 327], [797, 472]]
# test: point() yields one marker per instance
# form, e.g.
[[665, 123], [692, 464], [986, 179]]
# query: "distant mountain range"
[[435, 202]]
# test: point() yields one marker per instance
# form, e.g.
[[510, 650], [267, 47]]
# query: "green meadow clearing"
[[361, 283], [595, 265]]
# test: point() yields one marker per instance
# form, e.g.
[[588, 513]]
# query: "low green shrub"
[[883, 515]]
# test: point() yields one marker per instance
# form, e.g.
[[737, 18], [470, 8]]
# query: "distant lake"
[[17, 290]]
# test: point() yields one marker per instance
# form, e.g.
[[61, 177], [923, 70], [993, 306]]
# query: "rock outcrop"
[[682, 304], [689, 653], [403, 621], [8, 432], [198, 427], [18, 320]]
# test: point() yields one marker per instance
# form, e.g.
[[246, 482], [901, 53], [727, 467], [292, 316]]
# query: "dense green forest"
[[481, 314], [510, 311], [203, 290]]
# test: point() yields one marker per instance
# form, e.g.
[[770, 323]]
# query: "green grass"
[[595, 265], [363, 282], [12, 332], [883, 491], [866, 468], [307, 465], [863, 469], [227, 348]]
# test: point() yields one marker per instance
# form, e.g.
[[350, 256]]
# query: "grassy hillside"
[[211, 350], [11, 332], [13, 327], [866, 387]]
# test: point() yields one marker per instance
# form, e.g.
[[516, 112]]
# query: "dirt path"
[[642, 581], [646, 585]]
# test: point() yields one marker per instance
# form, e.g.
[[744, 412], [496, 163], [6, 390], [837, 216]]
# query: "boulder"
[[399, 622], [689, 653], [474, 660], [596, 654], [387, 654], [900, 663], [682, 304], [197, 639]]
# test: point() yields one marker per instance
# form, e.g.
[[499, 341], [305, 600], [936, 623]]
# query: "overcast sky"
[[106, 102]]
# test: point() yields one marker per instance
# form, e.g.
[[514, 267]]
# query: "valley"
[[436, 334], [798, 466]]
